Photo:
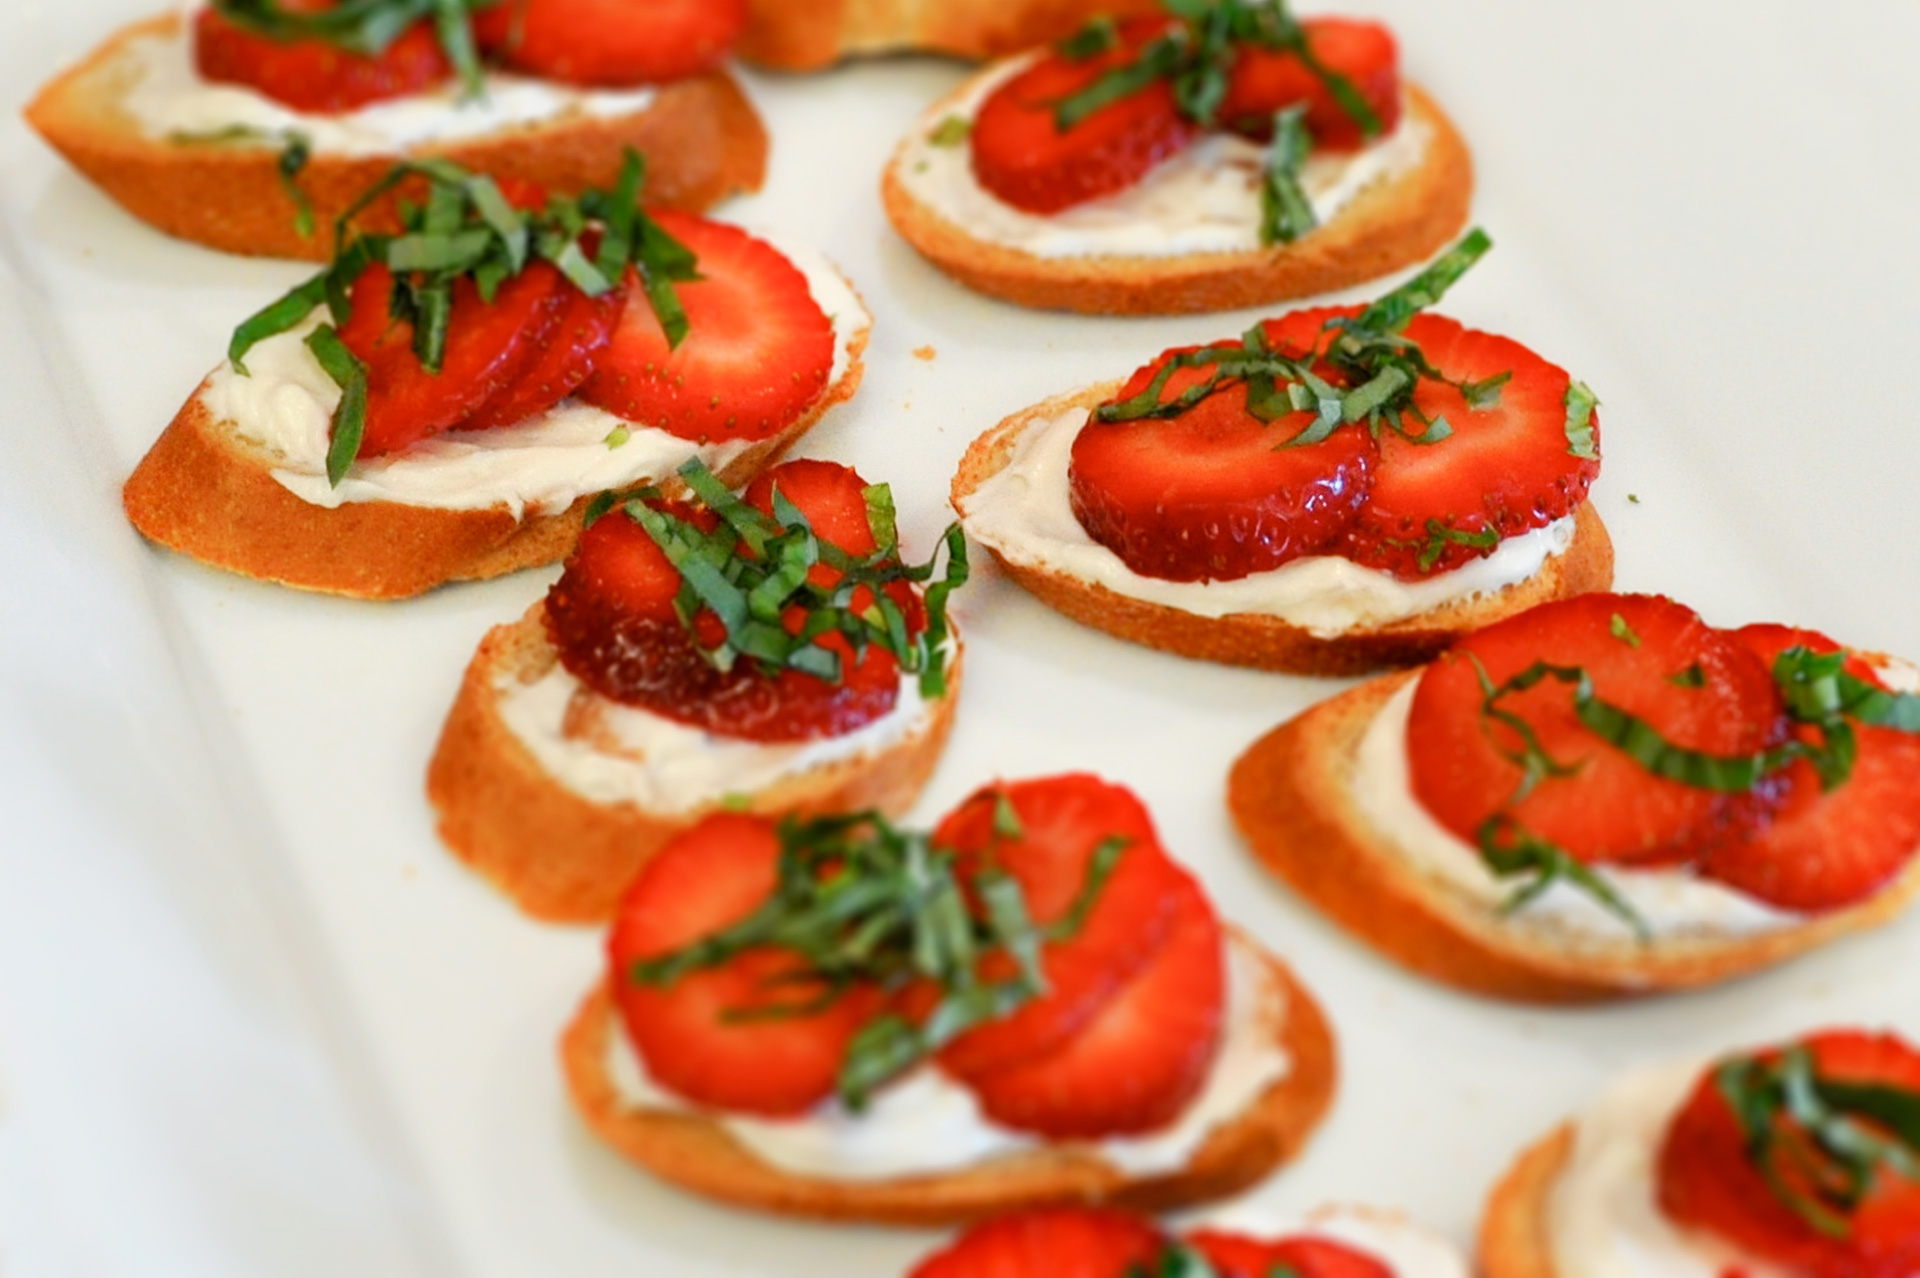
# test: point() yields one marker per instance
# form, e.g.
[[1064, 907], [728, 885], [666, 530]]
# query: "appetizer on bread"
[[1338, 490], [251, 125], [1800, 1160], [1600, 797], [768, 653], [806, 35], [1108, 1242], [1034, 1004], [442, 403], [1228, 156]]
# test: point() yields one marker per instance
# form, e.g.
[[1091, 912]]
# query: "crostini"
[[806, 35], [1600, 797], [1034, 1004], [1338, 490], [250, 126], [1230, 156], [1800, 1160], [1109, 1242], [613, 716], [442, 404]]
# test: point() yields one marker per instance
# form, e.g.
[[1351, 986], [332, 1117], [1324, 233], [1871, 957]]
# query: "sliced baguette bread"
[[567, 858], [1292, 795], [701, 138], [207, 491], [1514, 1237], [1395, 222], [697, 1153], [805, 35], [1253, 639]]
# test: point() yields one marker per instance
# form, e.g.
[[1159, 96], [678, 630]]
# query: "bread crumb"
[[925, 352]]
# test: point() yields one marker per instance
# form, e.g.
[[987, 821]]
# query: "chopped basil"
[[1619, 629], [1580, 440], [1181, 1260], [1440, 536], [369, 27], [618, 436], [951, 131], [1510, 850], [1692, 677], [350, 418], [1285, 212]]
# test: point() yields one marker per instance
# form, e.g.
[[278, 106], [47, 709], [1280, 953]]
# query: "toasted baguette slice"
[[1292, 795], [805, 35], [701, 138], [1514, 1237], [697, 1153], [1396, 222], [1253, 639], [569, 859], [206, 492]]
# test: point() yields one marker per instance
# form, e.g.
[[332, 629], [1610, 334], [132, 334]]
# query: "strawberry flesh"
[[313, 75], [1240, 1256], [611, 42], [563, 360], [1266, 81], [1641, 652], [691, 1033], [757, 354], [1048, 1242]]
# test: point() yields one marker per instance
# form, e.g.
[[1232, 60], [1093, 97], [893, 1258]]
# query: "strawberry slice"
[[1706, 1179], [698, 1035], [1266, 81], [1142, 1057], [487, 346], [1240, 1256], [1505, 469], [611, 616], [1829, 848], [1021, 155], [1062, 823], [1048, 1242], [611, 42], [563, 360], [311, 74], [757, 354], [1653, 658], [1215, 493]]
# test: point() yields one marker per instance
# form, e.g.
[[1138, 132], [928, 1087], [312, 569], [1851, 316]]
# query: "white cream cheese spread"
[[284, 405], [1205, 199], [1602, 1216], [926, 1123], [169, 100], [1673, 903], [1407, 1249], [1025, 513]]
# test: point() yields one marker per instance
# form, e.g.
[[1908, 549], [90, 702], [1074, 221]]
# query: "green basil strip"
[[293, 158], [276, 317], [1440, 536], [438, 251], [1092, 40], [1391, 313], [1510, 850], [350, 418], [1285, 212], [1580, 430], [455, 31]]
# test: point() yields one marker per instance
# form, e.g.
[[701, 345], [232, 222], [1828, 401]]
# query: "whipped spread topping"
[[1602, 1216], [1025, 513], [1205, 199], [1408, 1249], [608, 752], [170, 101], [927, 1123], [1672, 902], [285, 405]]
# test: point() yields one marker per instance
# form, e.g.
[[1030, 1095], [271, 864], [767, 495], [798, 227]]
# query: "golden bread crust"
[[1514, 1237], [1249, 639], [568, 859], [806, 35], [698, 1154], [701, 137], [203, 491], [1394, 223], [1292, 796]]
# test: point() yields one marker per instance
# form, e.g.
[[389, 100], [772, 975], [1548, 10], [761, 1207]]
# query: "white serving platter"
[[253, 1020]]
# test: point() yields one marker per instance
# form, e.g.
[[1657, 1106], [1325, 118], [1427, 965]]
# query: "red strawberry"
[[1021, 155], [1239, 1256], [1214, 493], [1504, 470], [311, 74], [487, 346], [1063, 821], [1648, 655], [1048, 1242], [690, 1033], [1705, 1178], [1829, 848], [757, 353], [1265, 82], [611, 42], [563, 361], [1143, 1056], [611, 616]]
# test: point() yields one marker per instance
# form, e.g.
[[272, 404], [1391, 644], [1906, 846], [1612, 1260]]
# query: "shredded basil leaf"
[[1285, 212], [369, 27], [951, 131], [1580, 425]]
